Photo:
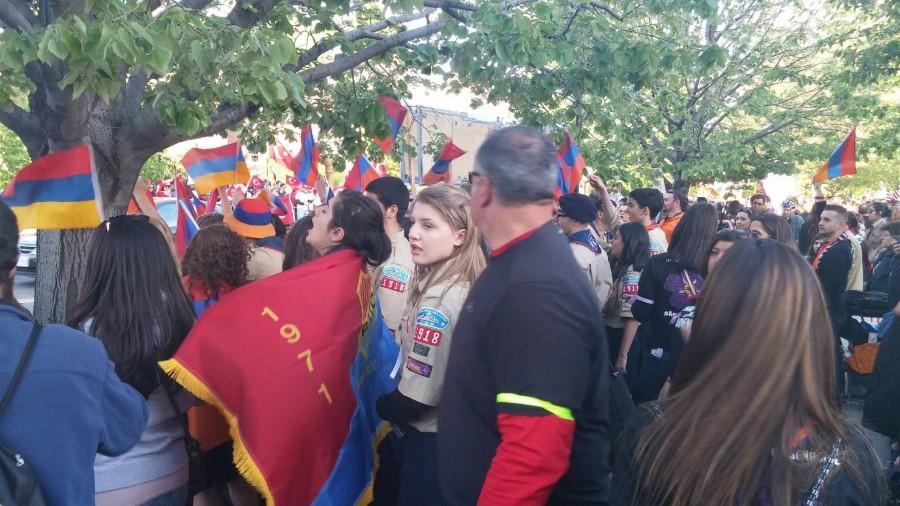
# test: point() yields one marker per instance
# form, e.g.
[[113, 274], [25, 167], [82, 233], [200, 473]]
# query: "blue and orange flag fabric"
[[186, 224], [571, 160], [395, 113], [307, 170], [215, 167], [307, 356], [57, 191], [362, 173], [440, 171], [842, 161]]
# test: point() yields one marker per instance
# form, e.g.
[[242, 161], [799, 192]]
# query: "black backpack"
[[18, 483]]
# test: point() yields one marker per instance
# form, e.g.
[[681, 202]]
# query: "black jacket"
[[833, 270], [881, 271], [882, 410]]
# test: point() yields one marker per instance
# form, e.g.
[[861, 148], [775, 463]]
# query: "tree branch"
[[340, 65], [607, 9], [12, 17], [24, 124], [194, 5], [368, 31], [449, 4], [243, 17], [769, 130]]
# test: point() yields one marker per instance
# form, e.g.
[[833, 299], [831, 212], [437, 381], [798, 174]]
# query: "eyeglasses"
[[560, 214], [473, 175]]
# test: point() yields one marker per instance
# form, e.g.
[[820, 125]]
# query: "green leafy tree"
[[132, 77], [159, 167], [13, 155], [696, 93]]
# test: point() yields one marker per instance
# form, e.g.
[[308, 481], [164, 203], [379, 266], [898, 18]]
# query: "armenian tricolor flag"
[[440, 171], [307, 356], [362, 173], [186, 226], [307, 171], [842, 161], [562, 178], [212, 168], [56, 191], [570, 158], [395, 113]]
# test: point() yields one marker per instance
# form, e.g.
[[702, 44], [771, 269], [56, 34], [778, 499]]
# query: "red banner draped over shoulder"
[[275, 356]]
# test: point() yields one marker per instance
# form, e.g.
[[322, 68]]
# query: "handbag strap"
[[20, 369], [831, 461], [687, 280], [164, 382]]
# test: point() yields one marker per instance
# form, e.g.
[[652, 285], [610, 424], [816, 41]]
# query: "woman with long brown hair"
[[750, 417], [446, 250]]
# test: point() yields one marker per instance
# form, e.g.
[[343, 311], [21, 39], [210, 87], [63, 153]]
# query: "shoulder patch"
[[630, 283], [420, 368], [430, 325], [394, 278], [433, 318]]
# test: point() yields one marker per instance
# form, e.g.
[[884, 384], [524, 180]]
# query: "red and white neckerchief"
[[824, 248]]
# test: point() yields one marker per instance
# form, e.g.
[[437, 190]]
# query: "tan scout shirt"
[[855, 279], [596, 268], [393, 280], [618, 307], [264, 262], [425, 333]]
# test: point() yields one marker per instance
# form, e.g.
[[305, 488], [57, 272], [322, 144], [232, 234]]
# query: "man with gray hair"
[[523, 414]]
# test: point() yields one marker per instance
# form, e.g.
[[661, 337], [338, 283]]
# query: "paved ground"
[[852, 409], [24, 291]]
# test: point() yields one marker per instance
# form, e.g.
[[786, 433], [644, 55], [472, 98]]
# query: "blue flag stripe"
[[67, 189]]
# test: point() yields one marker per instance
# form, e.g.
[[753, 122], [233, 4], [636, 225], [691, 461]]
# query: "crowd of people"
[[592, 350]]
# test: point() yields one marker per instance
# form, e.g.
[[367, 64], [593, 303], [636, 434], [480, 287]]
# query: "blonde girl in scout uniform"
[[445, 248]]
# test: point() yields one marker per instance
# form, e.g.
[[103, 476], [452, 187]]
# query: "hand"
[[817, 190], [597, 183], [621, 362]]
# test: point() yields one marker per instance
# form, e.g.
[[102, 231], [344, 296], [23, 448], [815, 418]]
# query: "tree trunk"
[[62, 255]]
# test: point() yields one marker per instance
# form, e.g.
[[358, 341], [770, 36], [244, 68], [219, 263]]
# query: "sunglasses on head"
[[125, 217]]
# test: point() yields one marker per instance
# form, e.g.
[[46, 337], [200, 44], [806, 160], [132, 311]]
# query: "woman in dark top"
[[772, 226], [670, 282], [630, 252], [887, 260], [751, 416]]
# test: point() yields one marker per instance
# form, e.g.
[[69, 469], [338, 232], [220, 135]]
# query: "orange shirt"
[[668, 225]]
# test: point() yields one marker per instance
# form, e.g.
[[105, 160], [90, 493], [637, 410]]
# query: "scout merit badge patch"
[[420, 368], [394, 278], [420, 349], [430, 325]]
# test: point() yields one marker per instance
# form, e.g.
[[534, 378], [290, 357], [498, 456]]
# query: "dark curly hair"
[[217, 259]]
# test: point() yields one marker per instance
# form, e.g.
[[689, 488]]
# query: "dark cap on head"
[[578, 207]]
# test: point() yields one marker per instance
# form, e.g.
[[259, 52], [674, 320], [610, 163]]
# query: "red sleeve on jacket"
[[533, 455]]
